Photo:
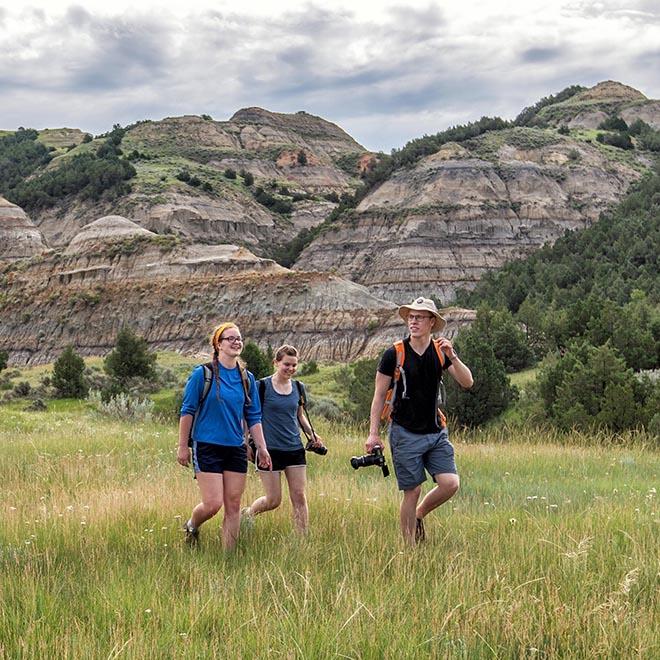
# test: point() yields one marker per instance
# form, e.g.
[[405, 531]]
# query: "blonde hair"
[[285, 349]]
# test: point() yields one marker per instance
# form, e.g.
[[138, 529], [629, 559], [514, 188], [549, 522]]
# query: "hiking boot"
[[420, 534], [192, 534]]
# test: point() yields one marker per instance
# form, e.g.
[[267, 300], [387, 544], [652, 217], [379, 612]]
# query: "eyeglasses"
[[233, 340], [418, 317]]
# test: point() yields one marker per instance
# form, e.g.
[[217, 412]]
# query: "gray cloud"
[[540, 54], [385, 80]]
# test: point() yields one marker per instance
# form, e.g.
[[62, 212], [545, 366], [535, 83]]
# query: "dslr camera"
[[375, 457], [321, 450]]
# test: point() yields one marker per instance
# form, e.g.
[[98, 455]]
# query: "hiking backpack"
[[208, 381], [399, 373]]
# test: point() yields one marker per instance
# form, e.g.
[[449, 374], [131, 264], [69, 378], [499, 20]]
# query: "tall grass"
[[547, 551]]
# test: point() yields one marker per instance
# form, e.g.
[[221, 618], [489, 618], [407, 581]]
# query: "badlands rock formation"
[[19, 238], [115, 272], [266, 144], [606, 99], [467, 209]]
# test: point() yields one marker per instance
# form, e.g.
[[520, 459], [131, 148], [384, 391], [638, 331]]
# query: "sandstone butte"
[[172, 260]]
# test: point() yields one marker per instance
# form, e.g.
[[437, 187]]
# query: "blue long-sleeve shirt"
[[219, 422]]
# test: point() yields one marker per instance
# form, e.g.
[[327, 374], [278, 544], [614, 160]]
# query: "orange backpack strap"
[[438, 350], [386, 413], [442, 419]]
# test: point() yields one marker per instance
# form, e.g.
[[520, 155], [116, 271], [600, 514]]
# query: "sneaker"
[[420, 534], [192, 534]]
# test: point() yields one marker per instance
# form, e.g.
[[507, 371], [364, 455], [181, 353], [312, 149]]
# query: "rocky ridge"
[[172, 292], [268, 145], [185, 260], [590, 108], [469, 208], [19, 237]]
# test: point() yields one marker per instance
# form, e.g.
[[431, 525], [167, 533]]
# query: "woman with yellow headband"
[[218, 451]]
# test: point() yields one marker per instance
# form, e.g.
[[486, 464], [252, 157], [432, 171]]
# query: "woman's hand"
[[263, 459], [316, 440], [183, 456]]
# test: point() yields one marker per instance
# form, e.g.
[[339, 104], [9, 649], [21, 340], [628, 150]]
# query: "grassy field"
[[547, 550]]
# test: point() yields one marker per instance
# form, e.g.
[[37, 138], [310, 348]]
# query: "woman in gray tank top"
[[282, 416]]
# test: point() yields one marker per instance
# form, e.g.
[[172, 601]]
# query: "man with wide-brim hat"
[[412, 371]]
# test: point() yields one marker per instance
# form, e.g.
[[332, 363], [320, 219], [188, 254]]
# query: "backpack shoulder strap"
[[262, 390], [302, 401], [438, 350], [207, 368], [246, 383], [390, 396], [400, 357], [302, 396]]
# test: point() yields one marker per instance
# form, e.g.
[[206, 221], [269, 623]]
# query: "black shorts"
[[284, 459], [209, 457]]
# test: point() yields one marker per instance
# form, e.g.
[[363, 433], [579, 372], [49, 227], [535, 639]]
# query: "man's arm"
[[380, 391], [458, 371]]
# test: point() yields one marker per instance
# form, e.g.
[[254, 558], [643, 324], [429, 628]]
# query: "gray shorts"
[[414, 452]]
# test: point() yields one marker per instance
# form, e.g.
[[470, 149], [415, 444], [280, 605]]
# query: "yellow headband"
[[217, 333]]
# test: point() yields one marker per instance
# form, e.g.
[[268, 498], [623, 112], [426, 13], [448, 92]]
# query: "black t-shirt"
[[417, 411]]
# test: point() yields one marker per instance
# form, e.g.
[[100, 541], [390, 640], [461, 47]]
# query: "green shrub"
[[613, 124], [619, 140], [309, 367], [590, 387], [325, 407], [492, 391], [123, 406], [69, 375], [4, 358], [130, 358], [256, 360], [22, 389]]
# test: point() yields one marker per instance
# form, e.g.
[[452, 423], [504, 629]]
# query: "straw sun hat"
[[423, 305]]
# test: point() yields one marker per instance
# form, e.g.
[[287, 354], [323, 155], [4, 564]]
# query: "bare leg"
[[407, 515], [211, 490], [297, 479], [446, 486], [233, 490], [273, 494]]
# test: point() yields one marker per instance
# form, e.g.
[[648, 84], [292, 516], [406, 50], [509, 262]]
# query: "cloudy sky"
[[386, 72]]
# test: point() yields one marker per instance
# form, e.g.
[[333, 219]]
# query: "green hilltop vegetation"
[[88, 175], [590, 309], [54, 166]]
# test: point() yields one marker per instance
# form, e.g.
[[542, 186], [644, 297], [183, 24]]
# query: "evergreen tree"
[[68, 375], [130, 358], [360, 378], [591, 387], [4, 357], [256, 360], [491, 393], [505, 336]]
